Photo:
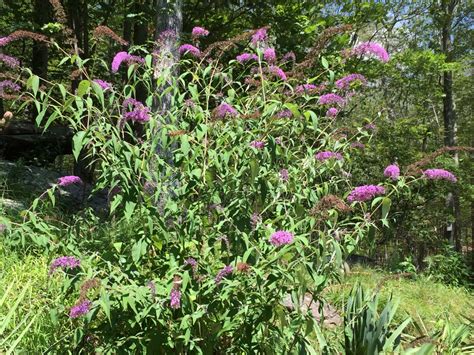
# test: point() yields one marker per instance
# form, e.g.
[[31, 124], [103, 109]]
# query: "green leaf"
[[324, 62], [77, 144], [83, 87], [386, 203]]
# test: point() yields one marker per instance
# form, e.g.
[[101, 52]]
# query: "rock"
[[9, 204], [29, 182], [331, 317]]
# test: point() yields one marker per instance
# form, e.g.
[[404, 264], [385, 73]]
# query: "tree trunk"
[[169, 17], [452, 231]]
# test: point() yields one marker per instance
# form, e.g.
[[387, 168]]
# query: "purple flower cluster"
[[281, 238], [365, 192], [345, 82], [357, 145], [259, 36], [329, 99], [4, 41], [322, 156], [277, 71], [245, 57], [104, 85], [64, 262], [439, 174], [69, 180], [286, 113], [10, 85], [284, 176], [224, 110], [225, 271], [193, 263], [11, 62], [121, 57], [199, 32], [309, 88], [189, 48], [392, 171], [80, 309], [371, 49], [332, 112], [370, 127], [175, 298], [139, 112], [257, 144], [269, 55]]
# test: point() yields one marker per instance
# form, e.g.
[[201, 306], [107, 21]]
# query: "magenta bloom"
[[269, 55], [392, 172], [121, 57], [4, 41], [189, 48], [286, 113], [439, 174], [281, 238], [322, 156], [199, 32], [370, 126], [284, 176], [64, 262], [245, 57], [259, 36], [365, 192], [103, 84], [11, 62], [10, 85], [345, 82], [371, 49], [257, 144], [277, 71], [139, 112], [224, 110], [69, 180], [329, 99], [227, 270], [332, 112], [358, 145], [175, 299], [309, 88], [80, 309], [118, 59]]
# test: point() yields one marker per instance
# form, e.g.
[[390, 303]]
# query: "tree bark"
[[448, 7]]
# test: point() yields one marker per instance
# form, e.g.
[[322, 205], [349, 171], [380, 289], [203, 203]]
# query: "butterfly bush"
[[195, 190], [69, 180], [199, 32], [345, 82], [371, 49]]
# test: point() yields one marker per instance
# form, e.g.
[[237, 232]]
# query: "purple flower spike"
[[245, 57], [269, 55], [224, 110], [284, 175], [439, 174], [175, 299], [281, 238], [392, 172], [257, 144], [69, 180], [189, 48], [118, 59], [227, 270], [259, 36], [345, 82], [322, 156], [371, 49], [328, 99], [64, 262], [332, 112], [11, 62], [277, 71], [199, 32], [104, 85], [365, 193], [80, 309]]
